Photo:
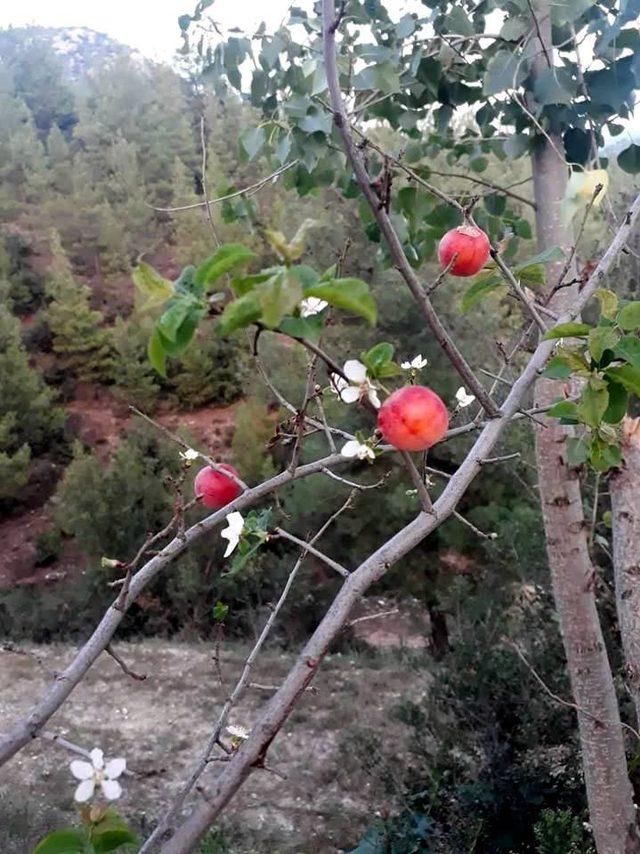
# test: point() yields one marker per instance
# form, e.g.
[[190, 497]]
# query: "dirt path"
[[324, 804]]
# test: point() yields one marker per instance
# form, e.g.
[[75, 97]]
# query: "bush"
[[213, 370], [254, 427], [48, 546], [29, 421]]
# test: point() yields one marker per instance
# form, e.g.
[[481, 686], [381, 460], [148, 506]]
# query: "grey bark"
[[624, 487], [609, 791]]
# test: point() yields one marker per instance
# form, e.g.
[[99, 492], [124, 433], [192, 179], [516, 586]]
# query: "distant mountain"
[[80, 49]]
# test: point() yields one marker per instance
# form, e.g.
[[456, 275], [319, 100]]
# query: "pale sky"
[[150, 26]]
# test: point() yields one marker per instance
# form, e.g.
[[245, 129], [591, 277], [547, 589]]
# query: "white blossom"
[[463, 398], [356, 384], [97, 773], [238, 732], [416, 364], [189, 455], [311, 306], [353, 448], [233, 532]]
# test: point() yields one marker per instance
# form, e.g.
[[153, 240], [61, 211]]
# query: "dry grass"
[[159, 725]]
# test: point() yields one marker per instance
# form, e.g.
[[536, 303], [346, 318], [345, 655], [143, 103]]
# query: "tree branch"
[[395, 247]]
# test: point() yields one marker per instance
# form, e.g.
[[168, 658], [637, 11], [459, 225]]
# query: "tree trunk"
[[625, 512], [609, 791]]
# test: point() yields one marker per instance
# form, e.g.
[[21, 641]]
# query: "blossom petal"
[[114, 768], [81, 770], [351, 448], [350, 394], [97, 757], [406, 366], [338, 383], [233, 542], [236, 521], [373, 397], [111, 789], [355, 371], [84, 791]]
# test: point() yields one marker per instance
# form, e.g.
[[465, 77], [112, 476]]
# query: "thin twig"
[[472, 527], [596, 192], [203, 142], [418, 482], [247, 191], [560, 700], [312, 550], [139, 677], [187, 447], [517, 287], [504, 191]]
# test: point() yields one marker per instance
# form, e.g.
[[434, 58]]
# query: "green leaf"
[[629, 349], [378, 355], [458, 22], [111, 833], [603, 455], [522, 228], [243, 284], [602, 338], [68, 841], [349, 294], [608, 302], [554, 86], [565, 409], [173, 317], [618, 403], [568, 330], [150, 283], [278, 296], [253, 141], [310, 328], [504, 71], [576, 451], [629, 159], [220, 611], [157, 354], [557, 369], [240, 313], [626, 375], [224, 259], [483, 285], [593, 404], [384, 76], [629, 316], [533, 270], [495, 204]]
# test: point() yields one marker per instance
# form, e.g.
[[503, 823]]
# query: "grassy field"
[[339, 753]]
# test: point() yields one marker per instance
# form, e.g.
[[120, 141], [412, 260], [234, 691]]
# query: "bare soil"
[[340, 752]]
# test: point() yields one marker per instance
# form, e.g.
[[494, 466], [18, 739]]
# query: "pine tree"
[[29, 420], [190, 228], [78, 336], [60, 162], [136, 381]]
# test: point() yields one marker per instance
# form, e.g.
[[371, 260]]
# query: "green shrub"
[[561, 832], [29, 421], [213, 370], [254, 427]]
